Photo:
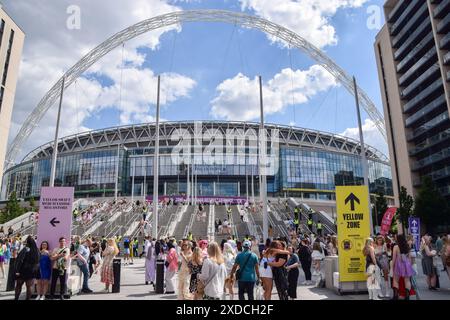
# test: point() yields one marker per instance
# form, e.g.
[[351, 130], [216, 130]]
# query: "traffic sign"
[[353, 226], [414, 230], [55, 215]]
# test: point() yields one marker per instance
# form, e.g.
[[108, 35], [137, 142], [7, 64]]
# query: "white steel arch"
[[244, 20]]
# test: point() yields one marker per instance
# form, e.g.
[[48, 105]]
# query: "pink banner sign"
[[387, 220], [55, 215]]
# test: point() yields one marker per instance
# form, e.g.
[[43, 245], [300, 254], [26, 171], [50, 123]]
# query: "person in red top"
[[171, 267]]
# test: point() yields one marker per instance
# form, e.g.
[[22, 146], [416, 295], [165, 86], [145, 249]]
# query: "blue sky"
[[199, 59]]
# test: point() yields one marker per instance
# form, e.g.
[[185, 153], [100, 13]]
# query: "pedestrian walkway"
[[133, 288]]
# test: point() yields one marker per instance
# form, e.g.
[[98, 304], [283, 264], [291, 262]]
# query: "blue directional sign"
[[414, 230]]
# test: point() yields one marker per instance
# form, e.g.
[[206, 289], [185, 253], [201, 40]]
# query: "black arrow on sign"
[[54, 221], [352, 198]]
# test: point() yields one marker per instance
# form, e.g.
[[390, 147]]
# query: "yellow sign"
[[353, 227]]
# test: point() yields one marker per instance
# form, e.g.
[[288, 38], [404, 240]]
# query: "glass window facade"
[[316, 173], [309, 170]]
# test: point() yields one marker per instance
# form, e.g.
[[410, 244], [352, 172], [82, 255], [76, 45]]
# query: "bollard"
[[11, 283], [159, 286], [116, 271]]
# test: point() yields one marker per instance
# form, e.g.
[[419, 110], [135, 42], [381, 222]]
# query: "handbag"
[[202, 285], [239, 272], [258, 293]]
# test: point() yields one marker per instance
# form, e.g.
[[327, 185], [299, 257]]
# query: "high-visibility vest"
[[296, 221], [190, 236], [319, 226], [310, 222]]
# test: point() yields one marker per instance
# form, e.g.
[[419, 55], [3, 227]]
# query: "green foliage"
[[12, 209], [431, 206], [380, 207], [405, 209], [33, 205]]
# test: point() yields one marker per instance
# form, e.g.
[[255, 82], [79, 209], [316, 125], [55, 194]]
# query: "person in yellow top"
[[189, 236], [319, 228]]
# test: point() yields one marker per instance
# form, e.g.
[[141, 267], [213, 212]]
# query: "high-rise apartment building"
[[11, 44], [413, 57]]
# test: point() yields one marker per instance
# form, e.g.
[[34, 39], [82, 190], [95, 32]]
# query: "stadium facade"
[[223, 155]]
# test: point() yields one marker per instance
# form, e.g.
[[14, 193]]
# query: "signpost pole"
[[156, 167], [363, 152], [55, 144]]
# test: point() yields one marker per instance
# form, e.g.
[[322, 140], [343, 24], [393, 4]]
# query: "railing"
[[211, 226], [189, 225]]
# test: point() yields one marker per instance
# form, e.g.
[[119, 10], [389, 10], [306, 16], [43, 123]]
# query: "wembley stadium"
[[309, 163]]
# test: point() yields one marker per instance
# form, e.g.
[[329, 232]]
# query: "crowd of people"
[[391, 265], [212, 271], [208, 270]]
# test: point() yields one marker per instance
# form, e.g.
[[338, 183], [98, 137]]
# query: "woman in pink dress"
[[107, 275]]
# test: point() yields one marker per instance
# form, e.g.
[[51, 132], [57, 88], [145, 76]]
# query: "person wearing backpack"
[[248, 273]]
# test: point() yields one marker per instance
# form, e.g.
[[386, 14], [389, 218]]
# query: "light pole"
[[117, 172], [156, 168], [363, 153], [55, 144], [262, 165]]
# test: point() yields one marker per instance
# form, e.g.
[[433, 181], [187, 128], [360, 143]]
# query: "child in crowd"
[[373, 282]]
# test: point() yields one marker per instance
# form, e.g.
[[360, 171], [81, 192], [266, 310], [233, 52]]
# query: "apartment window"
[[2, 92], [2, 29], [8, 56]]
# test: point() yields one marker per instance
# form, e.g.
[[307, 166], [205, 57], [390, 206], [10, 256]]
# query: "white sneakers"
[[40, 297]]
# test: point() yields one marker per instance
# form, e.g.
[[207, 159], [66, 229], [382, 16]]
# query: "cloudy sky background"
[[209, 70]]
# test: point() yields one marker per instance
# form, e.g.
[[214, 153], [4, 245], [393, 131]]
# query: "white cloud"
[[238, 97], [309, 18], [372, 136], [51, 48]]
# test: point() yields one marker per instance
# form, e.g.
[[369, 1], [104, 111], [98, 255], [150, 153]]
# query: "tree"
[[431, 206], [32, 204], [405, 209], [13, 208], [380, 207]]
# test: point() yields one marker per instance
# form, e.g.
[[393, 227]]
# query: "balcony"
[[425, 78], [420, 32], [444, 25], [430, 142], [445, 42], [422, 96], [432, 106], [412, 24], [424, 62], [406, 14], [435, 175], [438, 156], [397, 11], [441, 10], [433, 123], [447, 59], [410, 58]]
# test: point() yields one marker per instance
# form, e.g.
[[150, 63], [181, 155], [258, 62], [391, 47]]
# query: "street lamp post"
[[262, 165], [363, 152], [55, 144], [156, 167]]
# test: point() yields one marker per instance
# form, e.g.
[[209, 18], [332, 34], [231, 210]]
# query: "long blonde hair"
[[197, 256], [366, 250], [112, 243], [214, 253]]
